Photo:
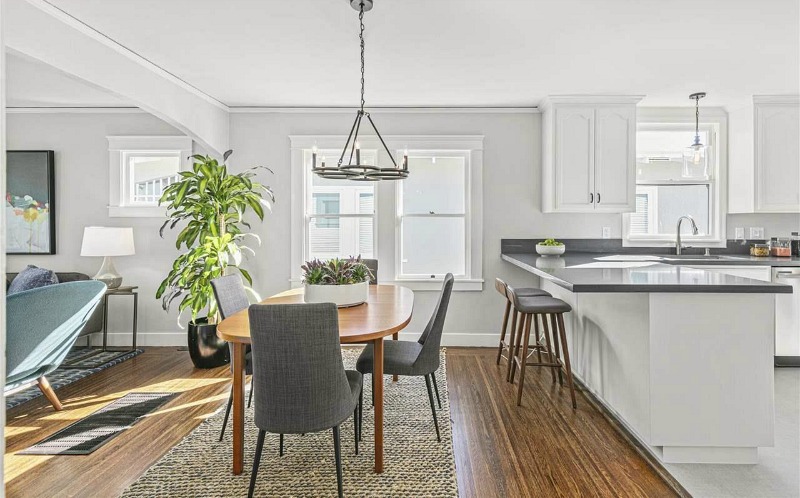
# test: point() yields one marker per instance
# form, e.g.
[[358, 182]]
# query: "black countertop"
[[582, 272]]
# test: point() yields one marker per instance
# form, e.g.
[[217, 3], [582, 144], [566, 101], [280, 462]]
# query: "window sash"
[[465, 215]]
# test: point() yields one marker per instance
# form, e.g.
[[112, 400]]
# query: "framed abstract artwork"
[[30, 202]]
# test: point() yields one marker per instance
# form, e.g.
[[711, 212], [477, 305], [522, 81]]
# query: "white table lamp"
[[108, 242]]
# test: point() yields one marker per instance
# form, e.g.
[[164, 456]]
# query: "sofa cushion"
[[32, 277]]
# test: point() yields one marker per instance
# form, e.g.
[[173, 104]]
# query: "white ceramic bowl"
[[550, 250]]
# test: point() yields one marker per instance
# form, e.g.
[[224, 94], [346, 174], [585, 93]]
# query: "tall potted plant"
[[212, 203]]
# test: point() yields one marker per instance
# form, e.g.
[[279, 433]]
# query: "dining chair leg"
[[361, 414], [373, 389], [256, 461], [502, 344], [337, 449], [523, 358], [436, 389], [562, 332], [511, 345], [556, 345], [280, 446], [250, 397], [433, 407], [227, 414], [355, 427]]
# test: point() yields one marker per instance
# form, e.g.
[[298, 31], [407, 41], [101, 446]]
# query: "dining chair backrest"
[[372, 264], [431, 338], [298, 373], [230, 295]]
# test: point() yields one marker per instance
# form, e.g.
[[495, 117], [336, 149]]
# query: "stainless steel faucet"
[[678, 230]]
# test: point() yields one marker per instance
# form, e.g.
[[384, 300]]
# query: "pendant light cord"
[[361, 37], [696, 105]]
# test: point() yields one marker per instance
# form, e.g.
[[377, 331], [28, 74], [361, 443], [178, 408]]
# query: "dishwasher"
[[787, 318]]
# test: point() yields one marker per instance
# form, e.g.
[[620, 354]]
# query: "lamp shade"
[[107, 241]]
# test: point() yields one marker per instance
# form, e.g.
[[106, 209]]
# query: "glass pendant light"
[[359, 171], [695, 160]]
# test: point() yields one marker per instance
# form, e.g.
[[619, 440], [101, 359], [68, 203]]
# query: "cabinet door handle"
[[591, 198], [598, 197]]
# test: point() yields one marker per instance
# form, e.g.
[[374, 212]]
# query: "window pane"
[[326, 203], [150, 175], [658, 208], [435, 184], [433, 246], [659, 155], [344, 238]]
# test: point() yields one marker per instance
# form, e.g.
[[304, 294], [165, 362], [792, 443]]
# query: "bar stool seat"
[[541, 304], [531, 292]]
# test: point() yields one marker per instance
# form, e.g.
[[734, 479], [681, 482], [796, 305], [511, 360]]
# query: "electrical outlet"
[[606, 232], [739, 233], [757, 233]]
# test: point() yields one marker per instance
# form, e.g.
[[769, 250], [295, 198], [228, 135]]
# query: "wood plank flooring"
[[540, 449]]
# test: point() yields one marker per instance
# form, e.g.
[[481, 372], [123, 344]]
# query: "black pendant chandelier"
[[357, 170]]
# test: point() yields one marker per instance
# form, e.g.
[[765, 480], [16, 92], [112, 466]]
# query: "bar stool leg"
[[523, 359], [503, 334], [555, 345], [550, 357], [562, 333], [516, 331], [511, 343]]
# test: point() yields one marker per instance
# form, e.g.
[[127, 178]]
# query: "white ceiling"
[[452, 52]]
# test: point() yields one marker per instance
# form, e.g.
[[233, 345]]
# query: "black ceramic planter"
[[205, 348]]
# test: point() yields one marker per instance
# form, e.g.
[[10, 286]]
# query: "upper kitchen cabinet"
[[764, 163], [589, 154]]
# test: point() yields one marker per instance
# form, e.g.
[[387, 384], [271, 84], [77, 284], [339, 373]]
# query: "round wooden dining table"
[[387, 311]]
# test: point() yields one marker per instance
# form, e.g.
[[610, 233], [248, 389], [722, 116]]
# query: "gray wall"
[[512, 180]]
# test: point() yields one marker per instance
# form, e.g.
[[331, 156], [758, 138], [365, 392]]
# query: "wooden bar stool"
[[531, 309], [502, 288]]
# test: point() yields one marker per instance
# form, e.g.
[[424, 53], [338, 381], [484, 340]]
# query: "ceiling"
[[450, 52]]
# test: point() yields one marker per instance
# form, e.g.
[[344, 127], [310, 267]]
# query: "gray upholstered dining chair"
[[231, 298], [416, 358], [372, 264], [301, 380]]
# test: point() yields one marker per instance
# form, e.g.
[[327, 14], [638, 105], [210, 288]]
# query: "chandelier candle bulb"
[[358, 154]]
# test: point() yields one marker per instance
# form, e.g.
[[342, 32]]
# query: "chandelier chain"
[[361, 38]]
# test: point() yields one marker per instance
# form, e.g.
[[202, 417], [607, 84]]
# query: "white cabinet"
[[764, 172], [589, 154]]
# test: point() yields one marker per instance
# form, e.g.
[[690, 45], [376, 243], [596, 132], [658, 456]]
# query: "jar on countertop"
[[795, 243], [759, 250], [781, 247]]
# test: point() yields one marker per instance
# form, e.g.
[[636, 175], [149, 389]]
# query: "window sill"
[[136, 212]]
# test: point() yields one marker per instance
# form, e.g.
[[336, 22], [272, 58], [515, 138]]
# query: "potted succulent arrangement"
[[212, 203], [344, 282], [550, 247]]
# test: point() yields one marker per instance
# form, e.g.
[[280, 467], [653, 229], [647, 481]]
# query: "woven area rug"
[[65, 376], [415, 464]]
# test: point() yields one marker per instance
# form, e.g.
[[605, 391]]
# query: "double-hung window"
[[671, 183], [140, 169], [339, 214], [419, 228], [433, 215]]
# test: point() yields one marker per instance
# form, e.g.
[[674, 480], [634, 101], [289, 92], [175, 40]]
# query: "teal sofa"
[[41, 326]]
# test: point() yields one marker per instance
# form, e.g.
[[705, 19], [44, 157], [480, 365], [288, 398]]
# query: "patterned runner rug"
[[66, 376], [415, 464]]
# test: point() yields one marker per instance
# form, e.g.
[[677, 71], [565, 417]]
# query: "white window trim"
[[118, 146], [714, 120], [385, 228]]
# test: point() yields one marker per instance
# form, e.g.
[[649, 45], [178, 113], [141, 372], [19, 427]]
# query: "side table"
[[125, 290]]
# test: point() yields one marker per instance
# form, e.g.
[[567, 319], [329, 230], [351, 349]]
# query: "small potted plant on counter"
[[344, 282], [550, 247]]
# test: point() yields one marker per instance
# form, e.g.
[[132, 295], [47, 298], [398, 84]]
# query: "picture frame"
[[30, 202]]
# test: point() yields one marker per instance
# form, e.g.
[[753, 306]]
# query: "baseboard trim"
[[172, 338]]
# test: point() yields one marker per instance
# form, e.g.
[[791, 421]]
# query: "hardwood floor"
[[542, 448]]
